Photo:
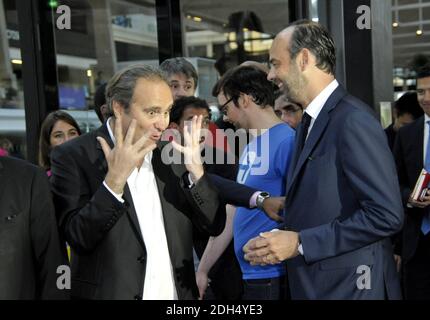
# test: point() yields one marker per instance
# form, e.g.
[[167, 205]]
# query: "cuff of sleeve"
[[253, 199], [190, 183], [117, 196], [300, 249]]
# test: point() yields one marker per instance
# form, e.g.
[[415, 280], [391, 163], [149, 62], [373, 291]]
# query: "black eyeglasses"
[[223, 109]]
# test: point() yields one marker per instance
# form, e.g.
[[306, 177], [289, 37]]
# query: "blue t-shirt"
[[263, 166]]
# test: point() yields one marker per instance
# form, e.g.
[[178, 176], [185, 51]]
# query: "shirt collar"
[[426, 118], [315, 107]]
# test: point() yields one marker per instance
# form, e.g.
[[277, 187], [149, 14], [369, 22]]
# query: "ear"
[[118, 109], [304, 61], [245, 100]]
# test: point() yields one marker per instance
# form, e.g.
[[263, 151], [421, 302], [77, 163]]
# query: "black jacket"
[[408, 153], [30, 250]]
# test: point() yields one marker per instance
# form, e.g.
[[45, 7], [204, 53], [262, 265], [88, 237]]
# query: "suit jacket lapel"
[[314, 137]]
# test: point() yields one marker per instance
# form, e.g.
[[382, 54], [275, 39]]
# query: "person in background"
[[289, 112], [412, 154], [57, 128], [100, 106], [246, 98], [6, 147], [226, 277], [183, 81], [406, 110]]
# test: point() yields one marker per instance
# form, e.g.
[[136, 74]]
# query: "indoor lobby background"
[[46, 65]]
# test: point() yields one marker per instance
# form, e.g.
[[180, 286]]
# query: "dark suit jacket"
[[344, 199], [108, 251], [30, 250], [408, 152], [391, 135]]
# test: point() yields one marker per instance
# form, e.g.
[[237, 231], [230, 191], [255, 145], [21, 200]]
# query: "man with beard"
[[342, 197]]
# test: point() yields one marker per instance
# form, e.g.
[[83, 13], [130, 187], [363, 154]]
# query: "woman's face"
[[62, 132]]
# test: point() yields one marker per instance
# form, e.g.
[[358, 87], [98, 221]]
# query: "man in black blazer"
[[30, 252], [127, 215], [409, 148], [343, 200]]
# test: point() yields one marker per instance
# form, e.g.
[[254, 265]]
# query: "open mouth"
[[155, 136]]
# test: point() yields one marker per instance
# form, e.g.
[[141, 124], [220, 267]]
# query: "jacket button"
[[141, 259], [137, 297]]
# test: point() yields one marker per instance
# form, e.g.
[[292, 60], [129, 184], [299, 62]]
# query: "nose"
[[225, 118], [271, 75], [161, 124], [182, 92]]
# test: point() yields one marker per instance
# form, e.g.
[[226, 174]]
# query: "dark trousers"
[[416, 272], [264, 289]]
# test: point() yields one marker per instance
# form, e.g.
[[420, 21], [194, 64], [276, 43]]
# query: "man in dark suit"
[[412, 154], [406, 111], [30, 252], [343, 200], [127, 215]]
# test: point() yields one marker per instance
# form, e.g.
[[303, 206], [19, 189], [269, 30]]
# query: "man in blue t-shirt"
[[246, 98]]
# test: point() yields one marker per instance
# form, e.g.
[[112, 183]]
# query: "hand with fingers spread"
[[272, 247], [125, 156], [192, 148]]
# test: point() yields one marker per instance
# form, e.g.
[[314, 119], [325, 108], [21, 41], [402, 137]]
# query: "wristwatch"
[[260, 199]]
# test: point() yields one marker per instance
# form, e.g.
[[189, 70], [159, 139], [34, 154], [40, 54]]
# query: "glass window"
[[221, 34], [12, 114], [105, 36]]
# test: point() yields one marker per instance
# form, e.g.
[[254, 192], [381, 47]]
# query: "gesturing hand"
[[125, 156], [191, 148]]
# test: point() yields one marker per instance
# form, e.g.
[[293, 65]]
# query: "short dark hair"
[[180, 65], [248, 80], [314, 37], [408, 103], [45, 134], [183, 103], [100, 100], [423, 72], [120, 87]]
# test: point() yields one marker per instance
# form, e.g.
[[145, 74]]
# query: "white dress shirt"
[[315, 107], [159, 279]]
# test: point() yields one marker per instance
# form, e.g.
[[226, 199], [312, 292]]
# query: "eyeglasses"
[[223, 109]]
